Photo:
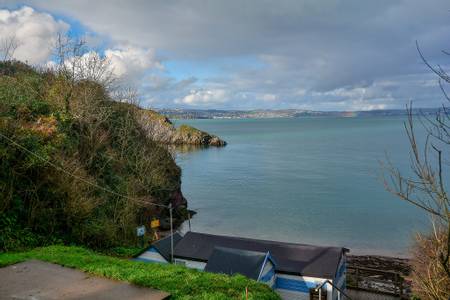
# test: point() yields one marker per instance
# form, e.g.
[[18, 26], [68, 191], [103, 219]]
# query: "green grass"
[[181, 282]]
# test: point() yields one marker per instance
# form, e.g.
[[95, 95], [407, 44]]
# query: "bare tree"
[[426, 188], [8, 46], [75, 62], [92, 66]]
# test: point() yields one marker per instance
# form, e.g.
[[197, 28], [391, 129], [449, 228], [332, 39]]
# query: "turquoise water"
[[306, 180]]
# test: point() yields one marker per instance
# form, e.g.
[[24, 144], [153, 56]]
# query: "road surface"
[[37, 280]]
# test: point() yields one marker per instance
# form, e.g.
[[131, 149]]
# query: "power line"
[[79, 177]]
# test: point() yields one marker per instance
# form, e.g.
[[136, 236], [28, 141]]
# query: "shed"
[[293, 269], [298, 267], [295, 259], [159, 251]]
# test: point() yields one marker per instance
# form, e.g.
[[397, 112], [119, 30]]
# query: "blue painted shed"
[[293, 270]]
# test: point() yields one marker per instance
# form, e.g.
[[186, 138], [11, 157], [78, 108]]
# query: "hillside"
[[285, 113], [159, 128], [76, 166]]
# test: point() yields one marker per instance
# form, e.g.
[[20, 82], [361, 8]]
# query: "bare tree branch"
[[8, 46]]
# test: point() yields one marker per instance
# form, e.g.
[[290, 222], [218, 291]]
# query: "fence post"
[[171, 233], [400, 285]]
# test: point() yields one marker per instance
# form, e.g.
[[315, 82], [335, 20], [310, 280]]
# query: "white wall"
[[191, 263], [268, 268], [152, 255]]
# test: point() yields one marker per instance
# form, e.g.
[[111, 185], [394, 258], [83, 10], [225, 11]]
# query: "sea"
[[310, 180]]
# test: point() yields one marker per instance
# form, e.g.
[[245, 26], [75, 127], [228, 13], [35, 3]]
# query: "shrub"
[[429, 277], [83, 133]]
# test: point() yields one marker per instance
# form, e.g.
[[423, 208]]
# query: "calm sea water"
[[306, 180]]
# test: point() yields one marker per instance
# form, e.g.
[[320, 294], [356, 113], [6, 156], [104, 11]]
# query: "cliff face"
[[113, 172], [160, 129]]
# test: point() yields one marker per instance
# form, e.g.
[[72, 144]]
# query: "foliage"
[[181, 282], [429, 277], [427, 188], [160, 128], [124, 252], [68, 154]]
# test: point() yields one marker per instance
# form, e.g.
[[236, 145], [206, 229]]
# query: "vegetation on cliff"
[[75, 164], [160, 128]]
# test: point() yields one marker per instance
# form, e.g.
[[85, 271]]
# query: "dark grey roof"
[[235, 261], [289, 258], [163, 245]]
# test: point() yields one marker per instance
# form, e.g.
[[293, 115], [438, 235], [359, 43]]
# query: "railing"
[[339, 291], [377, 281]]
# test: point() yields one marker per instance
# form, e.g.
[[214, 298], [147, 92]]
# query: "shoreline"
[[380, 253], [382, 263], [379, 274]]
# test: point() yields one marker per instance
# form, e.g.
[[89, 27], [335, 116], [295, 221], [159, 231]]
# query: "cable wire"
[[79, 177]]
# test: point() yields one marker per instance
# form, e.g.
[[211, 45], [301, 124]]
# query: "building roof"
[[236, 261], [298, 259], [163, 245]]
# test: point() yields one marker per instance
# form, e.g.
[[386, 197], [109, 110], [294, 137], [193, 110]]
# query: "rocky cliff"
[[161, 129]]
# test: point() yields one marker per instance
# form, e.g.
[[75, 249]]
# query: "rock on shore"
[[161, 129], [383, 263], [379, 274]]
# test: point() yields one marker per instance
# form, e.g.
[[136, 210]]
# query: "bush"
[[83, 133], [429, 277]]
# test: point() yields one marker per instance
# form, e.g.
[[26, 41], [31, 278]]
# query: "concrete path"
[[37, 280]]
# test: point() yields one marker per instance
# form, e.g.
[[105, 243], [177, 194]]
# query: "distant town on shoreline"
[[283, 113]]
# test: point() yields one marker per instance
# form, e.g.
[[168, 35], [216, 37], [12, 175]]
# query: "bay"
[[307, 180]]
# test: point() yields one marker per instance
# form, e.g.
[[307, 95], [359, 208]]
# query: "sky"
[[255, 54]]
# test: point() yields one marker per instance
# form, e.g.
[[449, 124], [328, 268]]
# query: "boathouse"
[[293, 270]]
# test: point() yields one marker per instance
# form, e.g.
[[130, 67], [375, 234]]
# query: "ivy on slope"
[[78, 127]]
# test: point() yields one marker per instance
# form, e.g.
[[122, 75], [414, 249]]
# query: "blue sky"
[[305, 54]]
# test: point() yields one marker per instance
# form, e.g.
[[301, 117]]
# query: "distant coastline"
[[283, 113]]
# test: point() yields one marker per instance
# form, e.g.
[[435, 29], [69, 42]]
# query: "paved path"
[[37, 280]]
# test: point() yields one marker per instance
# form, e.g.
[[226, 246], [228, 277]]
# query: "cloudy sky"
[[307, 54]]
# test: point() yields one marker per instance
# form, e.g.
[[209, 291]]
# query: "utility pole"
[[171, 233], [189, 220]]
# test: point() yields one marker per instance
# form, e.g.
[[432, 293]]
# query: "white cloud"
[[269, 97], [132, 62], [35, 33], [128, 65], [366, 106], [309, 54], [204, 97]]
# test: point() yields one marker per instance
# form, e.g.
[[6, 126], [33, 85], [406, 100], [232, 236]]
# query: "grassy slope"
[[181, 282]]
